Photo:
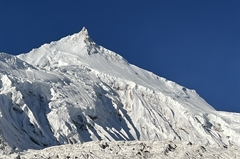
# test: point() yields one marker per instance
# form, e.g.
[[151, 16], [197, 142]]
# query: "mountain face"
[[74, 91]]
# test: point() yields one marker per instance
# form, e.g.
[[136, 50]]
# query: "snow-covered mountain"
[[74, 91]]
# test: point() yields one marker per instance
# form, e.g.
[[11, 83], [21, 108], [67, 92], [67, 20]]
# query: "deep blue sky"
[[194, 43]]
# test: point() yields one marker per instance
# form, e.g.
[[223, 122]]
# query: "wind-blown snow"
[[74, 91]]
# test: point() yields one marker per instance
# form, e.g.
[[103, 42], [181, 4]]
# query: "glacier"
[[73, 91]]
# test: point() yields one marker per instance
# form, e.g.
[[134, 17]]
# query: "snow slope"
[[74, 91]]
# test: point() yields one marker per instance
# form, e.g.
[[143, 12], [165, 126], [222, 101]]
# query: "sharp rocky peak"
[[79, 37], [84, 31]]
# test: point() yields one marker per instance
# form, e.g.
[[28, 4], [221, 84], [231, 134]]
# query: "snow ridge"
[[75, 91]]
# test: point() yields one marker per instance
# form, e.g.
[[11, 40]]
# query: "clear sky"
[[194, 43]]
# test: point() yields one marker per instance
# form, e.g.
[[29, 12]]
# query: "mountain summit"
[[71, 50], [81, 37], [84, 31], [74, 91]]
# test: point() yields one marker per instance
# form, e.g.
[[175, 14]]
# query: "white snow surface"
[[74, 91]]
